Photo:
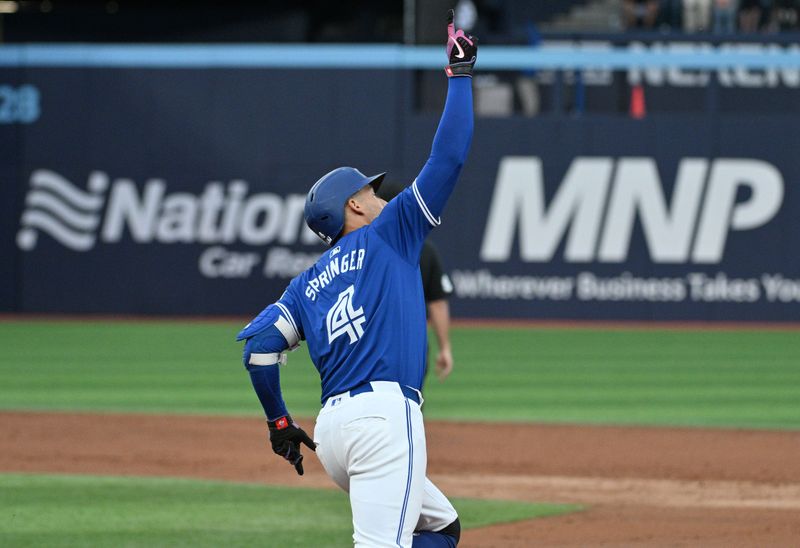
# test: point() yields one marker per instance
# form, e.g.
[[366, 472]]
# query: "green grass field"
[[695, 378], [76, 511]]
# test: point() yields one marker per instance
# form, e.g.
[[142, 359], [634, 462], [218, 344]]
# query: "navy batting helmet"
[[324, 211]]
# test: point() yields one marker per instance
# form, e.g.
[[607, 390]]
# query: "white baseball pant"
[[373, 446]]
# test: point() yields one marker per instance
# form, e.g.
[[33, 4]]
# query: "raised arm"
[[451, 143], [408, 219]]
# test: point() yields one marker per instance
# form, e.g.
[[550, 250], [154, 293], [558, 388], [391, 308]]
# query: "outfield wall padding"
[[179, 191]]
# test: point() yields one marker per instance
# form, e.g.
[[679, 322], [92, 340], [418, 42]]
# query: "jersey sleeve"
[[438, 177], [272, 332], [408, 218], [405, 222], [283, 315]]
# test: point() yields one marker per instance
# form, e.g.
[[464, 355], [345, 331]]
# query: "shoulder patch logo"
[[447, 284]]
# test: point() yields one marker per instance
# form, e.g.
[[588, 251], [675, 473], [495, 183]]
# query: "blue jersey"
[[361, 307]]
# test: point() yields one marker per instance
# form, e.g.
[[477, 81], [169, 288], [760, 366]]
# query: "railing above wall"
[[388, 56]]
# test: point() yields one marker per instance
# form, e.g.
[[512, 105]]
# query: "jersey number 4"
[[344, 319]]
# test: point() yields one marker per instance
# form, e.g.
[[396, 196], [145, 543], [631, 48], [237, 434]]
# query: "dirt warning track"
[[640, 486]]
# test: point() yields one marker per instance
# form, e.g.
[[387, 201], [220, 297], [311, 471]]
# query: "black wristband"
[[460, 69], [281, 423]]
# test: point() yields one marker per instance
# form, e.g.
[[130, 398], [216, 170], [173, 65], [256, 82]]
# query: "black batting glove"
[[286, 437], [462, 50]]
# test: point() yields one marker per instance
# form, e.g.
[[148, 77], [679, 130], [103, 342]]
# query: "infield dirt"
[[640, 486]]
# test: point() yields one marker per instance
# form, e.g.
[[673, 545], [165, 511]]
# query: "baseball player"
[[361, 310]]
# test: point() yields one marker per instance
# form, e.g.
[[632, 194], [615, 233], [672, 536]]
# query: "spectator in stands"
[[752, 14], [466, 15], [785, 16], [640, 14], [671, 15], [696, 15], [526, 84], [725, 16]]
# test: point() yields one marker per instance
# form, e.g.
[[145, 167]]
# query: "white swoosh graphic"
[[460, 54], [59, 231], [80, 221], [46, 179]]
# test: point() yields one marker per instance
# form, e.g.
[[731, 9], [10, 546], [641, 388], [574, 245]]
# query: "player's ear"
[[354, 206], [354, 203]]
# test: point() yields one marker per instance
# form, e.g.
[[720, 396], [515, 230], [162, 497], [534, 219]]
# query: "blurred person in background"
[[671, 15], [466, 15], [725, 16], [526, 84], [752, 14], [437, 288], [696, 15], [640, 14], [785, 16]]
